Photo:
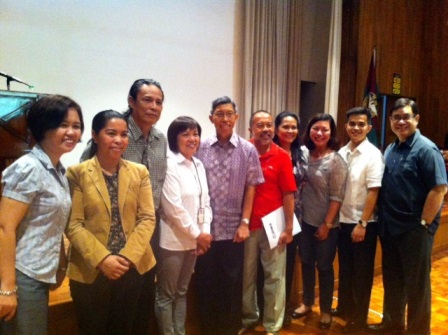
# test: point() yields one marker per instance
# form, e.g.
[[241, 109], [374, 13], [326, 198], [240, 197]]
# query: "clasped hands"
[[114, 266]]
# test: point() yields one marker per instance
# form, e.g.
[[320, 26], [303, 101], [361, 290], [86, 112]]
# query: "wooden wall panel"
[[434, 71], [411, 37]]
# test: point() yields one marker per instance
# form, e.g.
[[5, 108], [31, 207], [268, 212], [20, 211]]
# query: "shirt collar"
[[180, 159], [43, 157], [233, 139], [273, 149], [136, 132], [362, 147], [410, 140]]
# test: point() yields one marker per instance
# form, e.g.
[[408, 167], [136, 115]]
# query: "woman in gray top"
[[321, 199], [34, 210]]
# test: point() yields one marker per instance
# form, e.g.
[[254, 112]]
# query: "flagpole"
[[383, 123]]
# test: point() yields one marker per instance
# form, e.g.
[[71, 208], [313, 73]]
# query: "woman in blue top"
[[34, 209]]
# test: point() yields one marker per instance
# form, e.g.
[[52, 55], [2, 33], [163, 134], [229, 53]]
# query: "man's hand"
[[285, 238], [358, 233], [322, 232]]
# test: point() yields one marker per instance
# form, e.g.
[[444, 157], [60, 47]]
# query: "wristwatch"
[[424, 223], [328, 224], [363, 223], [245, 220]]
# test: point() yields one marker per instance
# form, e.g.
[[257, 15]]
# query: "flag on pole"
[[371, 93]]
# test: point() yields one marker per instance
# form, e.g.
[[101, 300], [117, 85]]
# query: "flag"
[[370, 99]]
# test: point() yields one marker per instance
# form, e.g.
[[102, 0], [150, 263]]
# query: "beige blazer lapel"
[[96, 175], [124, 178]]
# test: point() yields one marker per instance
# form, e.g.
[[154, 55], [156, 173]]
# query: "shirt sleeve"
[[432, 167], [208, 214], [21, 181], [338, 176], [171, 201], [375, 170], [255, 173]]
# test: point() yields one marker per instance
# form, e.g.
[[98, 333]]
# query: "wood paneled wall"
[[411, 38]]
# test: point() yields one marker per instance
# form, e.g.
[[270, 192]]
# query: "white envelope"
[[274, 224]]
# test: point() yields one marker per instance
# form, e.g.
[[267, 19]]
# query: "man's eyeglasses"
[[404, 117], [221, 115]]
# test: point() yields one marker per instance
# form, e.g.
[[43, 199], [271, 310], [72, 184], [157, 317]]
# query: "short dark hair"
[[48, 113], [359, 111], [334, 142], [251, 119], [135, 88], [403, 102], [222, 101], [178, 126], [99, 122], [296, 151]]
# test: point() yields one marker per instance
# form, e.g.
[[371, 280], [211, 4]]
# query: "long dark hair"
[[334, 143], [99, 122], [296, 151]]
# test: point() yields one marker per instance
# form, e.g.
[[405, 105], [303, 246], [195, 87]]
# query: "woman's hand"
[[8, 306], [114, 266], [322, 232], [203, 241]]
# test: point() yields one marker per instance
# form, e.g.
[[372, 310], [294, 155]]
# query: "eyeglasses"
[[404, 117], [221, 115]]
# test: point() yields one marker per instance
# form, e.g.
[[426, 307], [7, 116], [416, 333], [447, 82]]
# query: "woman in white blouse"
[[185, 224]]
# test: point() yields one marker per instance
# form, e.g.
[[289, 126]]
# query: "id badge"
[[201, 215]]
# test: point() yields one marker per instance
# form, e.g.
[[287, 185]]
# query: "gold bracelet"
[[8, 293]]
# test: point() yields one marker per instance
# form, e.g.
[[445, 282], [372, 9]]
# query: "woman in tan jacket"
[[111, 223]]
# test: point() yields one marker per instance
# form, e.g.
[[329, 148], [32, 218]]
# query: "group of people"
[[141, 219]]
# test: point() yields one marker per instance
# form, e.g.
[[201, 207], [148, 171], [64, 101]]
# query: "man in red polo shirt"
[[277, 190]]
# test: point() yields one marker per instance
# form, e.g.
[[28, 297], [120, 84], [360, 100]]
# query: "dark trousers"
[[106, 307], [291, 254], [406, 279], [356, 267], [315, 253], [218, 285], [145, 322]]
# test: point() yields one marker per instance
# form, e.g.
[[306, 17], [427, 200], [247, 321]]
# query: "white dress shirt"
[[365, 170], [184, 192]]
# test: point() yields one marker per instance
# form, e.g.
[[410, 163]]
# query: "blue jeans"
[[315, 253], [32, 308], [173, 277]]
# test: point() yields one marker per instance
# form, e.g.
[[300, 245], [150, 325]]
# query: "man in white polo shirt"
[[358, 235]]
